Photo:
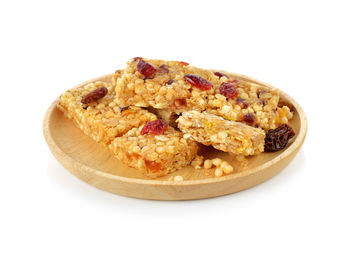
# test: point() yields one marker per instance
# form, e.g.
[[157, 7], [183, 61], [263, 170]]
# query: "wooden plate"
[[93, 163]]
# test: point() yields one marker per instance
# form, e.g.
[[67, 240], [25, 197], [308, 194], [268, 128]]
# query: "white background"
[[301, 47]]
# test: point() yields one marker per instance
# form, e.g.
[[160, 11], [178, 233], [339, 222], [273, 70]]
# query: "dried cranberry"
[[198, 82], [249, 118], [242, 102], [163, 69], [146, 68], [277, 139], [184, 63], [94, 95], [219, 74], [136, 58], [228, 90], [156, 127], [170, 81]]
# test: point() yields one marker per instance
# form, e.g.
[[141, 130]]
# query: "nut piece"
[[95, 95]]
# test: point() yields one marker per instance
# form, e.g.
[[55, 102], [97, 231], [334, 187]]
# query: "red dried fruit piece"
[[242, 102], [136, 58], [163, 69], [198, 82], [219, 74], [277, 139], [153, 166], [146, 68], [184, 63], [228, 90], [95, 95], [170, 81], [156, 127], [249, 118]]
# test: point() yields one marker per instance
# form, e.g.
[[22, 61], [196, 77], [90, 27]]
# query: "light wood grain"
[[94, 164]]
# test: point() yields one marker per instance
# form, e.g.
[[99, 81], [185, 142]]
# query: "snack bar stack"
[[228, 136], [94, 111], [157, 150], [172, 86]]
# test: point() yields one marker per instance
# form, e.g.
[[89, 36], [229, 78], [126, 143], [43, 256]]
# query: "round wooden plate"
[[94, 164]]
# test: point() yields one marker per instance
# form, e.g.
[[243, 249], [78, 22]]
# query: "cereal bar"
[[177, 87], [156, 155], [229, 136], [102, 119]]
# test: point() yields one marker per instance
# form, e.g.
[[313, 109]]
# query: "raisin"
[[249, 118], [219, 74], [124, 108], [198, 82], [95, 95], [180, 102], [156, 127], [259, 92], [150, 77], [242, 102], [277, 139], [170, 81], [228, 90], [163, 69], [146, 68]]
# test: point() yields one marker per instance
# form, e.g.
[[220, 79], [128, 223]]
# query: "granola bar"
[[156, 155], [177, 87], [102, 120], [229, 136]]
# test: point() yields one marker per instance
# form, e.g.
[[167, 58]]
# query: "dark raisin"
[[228, 90], [242, 102], [163, 69], [198, 82], [146, 68], [124, 108], [156, 127], [170, 81], [219, 74], [85, 107], [94, 95], [259, 92], [249, 118], [150, 77], [277, 139]]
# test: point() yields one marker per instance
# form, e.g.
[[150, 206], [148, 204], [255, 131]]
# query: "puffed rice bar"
[[167, 89], [155, 155], [229, 136], [102, 120]]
